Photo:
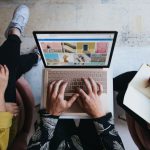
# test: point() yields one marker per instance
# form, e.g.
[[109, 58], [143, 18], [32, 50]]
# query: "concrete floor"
[[71, 15], [53, 15]]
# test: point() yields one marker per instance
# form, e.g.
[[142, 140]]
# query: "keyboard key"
[[74, 78]]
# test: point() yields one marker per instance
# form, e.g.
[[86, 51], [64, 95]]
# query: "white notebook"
[[137, 97]]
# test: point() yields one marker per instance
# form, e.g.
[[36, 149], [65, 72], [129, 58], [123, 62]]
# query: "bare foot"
[[12, 108], [4, 73], [14, 31]]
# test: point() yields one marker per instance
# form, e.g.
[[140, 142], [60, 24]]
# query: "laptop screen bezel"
[[76, 32]]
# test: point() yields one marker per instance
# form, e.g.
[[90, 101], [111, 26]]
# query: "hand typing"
[[90, 102], [56, 104]]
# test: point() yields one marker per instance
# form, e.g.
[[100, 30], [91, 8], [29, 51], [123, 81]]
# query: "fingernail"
[[76, 94]]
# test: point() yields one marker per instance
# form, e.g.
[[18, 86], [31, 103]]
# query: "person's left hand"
[[90, 101], [4, 74], [148, 83], [56, 104]]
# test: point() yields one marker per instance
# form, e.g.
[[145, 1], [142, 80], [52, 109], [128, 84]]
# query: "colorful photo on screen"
[[76, 50]]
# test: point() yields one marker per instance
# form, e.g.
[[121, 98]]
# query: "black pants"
[[86, 132], [120, 84], [17, 65]]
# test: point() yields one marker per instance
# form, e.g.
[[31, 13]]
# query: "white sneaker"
[[19, 19]]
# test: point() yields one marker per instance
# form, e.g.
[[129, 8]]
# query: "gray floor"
[[73, 15]]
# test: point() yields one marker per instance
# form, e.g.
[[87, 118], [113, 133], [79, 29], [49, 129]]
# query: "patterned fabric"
[[108, 136]]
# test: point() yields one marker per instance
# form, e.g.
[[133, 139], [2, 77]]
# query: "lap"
[[121, 82], [86, 132]]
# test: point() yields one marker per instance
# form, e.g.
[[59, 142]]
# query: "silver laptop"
[[71, 55]]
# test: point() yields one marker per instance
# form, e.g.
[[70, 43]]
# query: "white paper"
[[137, 97], [140, 81]]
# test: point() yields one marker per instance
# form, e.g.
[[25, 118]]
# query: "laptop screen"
[[74, 49]]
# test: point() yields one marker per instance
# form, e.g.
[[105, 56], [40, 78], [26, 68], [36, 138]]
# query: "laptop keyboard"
[[74, 78]]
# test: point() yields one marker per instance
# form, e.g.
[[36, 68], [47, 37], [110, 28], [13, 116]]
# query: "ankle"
[[15, 31]]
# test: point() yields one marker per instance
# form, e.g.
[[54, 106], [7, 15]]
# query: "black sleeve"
[[44, 133], [108, 137]]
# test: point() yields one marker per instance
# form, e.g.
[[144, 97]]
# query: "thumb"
[[73, 99]]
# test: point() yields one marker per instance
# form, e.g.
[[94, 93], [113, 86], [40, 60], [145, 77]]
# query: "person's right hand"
[[90, 102], [4, 74]]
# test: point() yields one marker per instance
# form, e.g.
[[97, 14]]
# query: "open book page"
[[138, 103], [140, 81]]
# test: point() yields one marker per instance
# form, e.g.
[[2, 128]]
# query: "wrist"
[[98, 115], [53, 113], [104, 119], [45, 114]]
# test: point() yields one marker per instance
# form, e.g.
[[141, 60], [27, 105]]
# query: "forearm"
[[108, 137], [44, 132]]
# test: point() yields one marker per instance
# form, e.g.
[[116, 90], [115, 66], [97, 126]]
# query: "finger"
[[100, 91], [6, 70], [82, 93], [88, 85], [1, 66], [15, 107], [50, 87], [49, 93], [11, 104], [72, 99], [2, 69], [93, 84], [15, 111], [62, 88], [56, 87], [79, 101]]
